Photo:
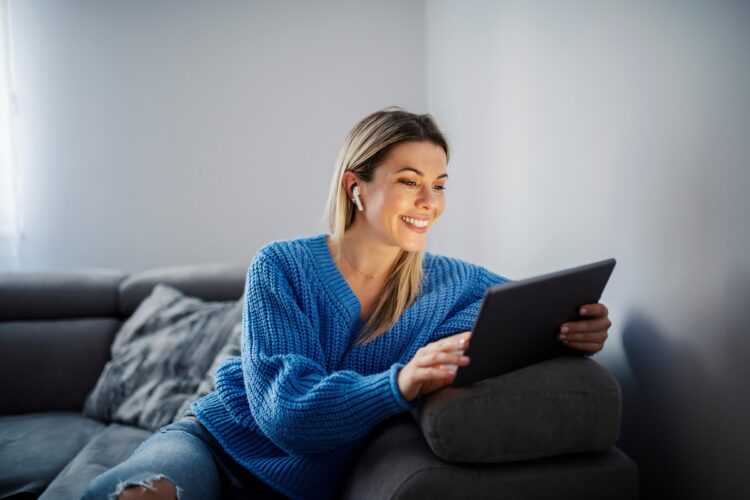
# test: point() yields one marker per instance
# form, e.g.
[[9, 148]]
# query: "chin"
[[413, 245]]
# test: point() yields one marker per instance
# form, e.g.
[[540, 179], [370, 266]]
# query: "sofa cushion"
[[160, 356], [34, 376], [562, 405], [35, 447], [108, 448], [398, 464]]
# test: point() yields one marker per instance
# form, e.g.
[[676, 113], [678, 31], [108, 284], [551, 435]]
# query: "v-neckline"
[[334, 279]]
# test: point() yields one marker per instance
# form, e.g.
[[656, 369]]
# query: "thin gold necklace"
[[341, 251]]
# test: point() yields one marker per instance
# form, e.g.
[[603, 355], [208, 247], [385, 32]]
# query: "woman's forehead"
[[420, 158]]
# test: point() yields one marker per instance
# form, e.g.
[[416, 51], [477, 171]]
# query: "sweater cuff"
[[403, 403]]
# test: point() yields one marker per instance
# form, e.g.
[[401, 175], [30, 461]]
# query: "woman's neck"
[[368, 257]]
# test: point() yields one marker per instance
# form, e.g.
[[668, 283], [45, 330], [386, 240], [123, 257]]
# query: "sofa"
[[545, 431]]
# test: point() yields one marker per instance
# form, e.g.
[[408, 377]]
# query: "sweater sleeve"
[[465, 313], [295, 401], [464, 317]]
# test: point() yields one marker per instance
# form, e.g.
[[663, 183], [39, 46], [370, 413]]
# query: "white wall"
[[159, 133], [171, 132], [585, 130]]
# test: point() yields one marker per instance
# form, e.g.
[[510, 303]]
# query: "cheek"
[[382, 207], [393, 203], [441, 204]]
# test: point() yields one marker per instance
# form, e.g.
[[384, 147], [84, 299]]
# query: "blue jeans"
[[188, 456]]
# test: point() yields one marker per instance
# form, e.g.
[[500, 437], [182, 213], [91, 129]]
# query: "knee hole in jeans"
[[158, 487]]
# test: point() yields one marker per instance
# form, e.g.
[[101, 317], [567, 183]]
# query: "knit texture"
[[298, 404]]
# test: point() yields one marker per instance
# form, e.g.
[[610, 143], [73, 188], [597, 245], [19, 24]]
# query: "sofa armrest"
[[562, 405]]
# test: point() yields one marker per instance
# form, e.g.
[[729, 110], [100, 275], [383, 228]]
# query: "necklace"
[[378, 276]]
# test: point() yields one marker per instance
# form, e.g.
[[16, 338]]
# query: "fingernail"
[[461, 341], [564, 329], [562, 336], [463, 359], [583, 310], [450, 368]]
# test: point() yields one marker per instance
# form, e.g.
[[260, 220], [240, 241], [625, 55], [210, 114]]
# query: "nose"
[[427, 199]]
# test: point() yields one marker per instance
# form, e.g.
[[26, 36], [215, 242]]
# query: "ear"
[[349, 180]]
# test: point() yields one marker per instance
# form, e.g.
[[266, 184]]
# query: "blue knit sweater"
[[298, 404]]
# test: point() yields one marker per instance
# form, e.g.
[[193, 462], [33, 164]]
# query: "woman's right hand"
[[433, 366]]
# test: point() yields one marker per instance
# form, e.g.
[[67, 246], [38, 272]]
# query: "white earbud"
[[355, 193]]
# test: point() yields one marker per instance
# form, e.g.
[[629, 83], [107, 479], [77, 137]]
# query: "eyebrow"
[[419, 173]]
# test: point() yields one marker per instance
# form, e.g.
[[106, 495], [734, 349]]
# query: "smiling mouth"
[[421, 224]]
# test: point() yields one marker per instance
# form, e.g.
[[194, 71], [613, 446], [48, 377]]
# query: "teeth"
[[415, 222]]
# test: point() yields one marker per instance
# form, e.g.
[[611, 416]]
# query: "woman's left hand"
[[587, 334]]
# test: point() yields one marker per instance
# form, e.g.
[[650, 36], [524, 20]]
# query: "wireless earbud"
[[355, 193]]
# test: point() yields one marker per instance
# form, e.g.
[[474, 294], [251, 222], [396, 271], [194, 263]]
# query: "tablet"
[[518, 322]]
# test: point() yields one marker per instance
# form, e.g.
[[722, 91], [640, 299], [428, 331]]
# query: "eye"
[[408, 183], [441, 187]]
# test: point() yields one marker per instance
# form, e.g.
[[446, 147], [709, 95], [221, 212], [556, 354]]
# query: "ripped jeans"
[[188, 456]]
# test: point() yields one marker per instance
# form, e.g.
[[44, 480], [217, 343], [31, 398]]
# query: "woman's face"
[[406, 195]]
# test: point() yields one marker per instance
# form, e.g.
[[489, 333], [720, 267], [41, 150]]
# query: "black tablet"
[[518, 322]]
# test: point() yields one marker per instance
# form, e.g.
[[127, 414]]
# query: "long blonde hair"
[[366, 146]]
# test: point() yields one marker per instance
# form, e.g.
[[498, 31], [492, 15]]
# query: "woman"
[[340, 331]]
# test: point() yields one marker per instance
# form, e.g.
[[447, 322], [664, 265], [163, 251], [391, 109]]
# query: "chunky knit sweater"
[[298, 404]]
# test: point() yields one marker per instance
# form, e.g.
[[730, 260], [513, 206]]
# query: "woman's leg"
[[161, 489], [173, 457]]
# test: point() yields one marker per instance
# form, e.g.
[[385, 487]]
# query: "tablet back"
[[518, 322]]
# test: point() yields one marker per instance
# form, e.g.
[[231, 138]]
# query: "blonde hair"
[[366, 146]]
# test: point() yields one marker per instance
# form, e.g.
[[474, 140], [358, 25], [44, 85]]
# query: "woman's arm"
[[465, 313], [587, 335], [295, 401]]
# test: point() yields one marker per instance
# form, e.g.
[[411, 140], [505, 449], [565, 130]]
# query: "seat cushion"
[[35, 447], [398, 464], [562, 405], [110, 447]]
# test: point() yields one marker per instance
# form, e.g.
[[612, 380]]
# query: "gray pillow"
[[562, 405], [207, 385], [160, 356]]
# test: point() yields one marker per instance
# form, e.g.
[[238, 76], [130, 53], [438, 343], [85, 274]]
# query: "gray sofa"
[[547, 431]]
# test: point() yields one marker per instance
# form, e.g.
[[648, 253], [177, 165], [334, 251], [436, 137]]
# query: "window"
[[9, 221]]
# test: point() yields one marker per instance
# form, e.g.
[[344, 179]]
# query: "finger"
[[584, 325], [587, 337], [437, 357], [594, 310], [585, 346], [442, 358], [428, 374], [454, 342]]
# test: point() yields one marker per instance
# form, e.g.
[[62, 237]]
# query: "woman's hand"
[[433, 366], [587, 334]]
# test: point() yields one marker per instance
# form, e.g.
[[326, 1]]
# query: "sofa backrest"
[[55, 333], [213, 282], [56, 328]]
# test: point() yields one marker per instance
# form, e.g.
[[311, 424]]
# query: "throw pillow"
[[207, 385], [160, 357], [562, 405]]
